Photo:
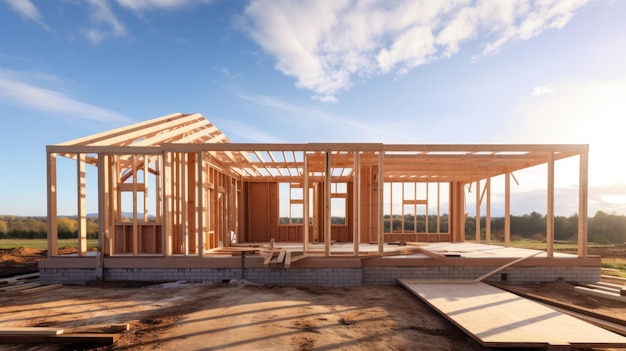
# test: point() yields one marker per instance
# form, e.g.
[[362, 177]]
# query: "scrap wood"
[[268, 256], [407, 251], [89, 338], [431, 254], [281, 256], [18, 287], [416, 243], [601, 293], [40, 288], [100, 329], [484, 276], [287, 259], [30, 331], [298, 257]]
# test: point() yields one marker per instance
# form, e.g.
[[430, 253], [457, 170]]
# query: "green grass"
[[615, 266], [42, 244]]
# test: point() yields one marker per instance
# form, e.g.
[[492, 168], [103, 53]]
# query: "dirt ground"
[[243, 316]]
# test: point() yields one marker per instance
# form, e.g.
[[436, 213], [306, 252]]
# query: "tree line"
[[603, 228], [14, 227]]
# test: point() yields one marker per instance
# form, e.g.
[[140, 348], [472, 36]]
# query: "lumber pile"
[[25, 284], [611, 291], [38, 335]]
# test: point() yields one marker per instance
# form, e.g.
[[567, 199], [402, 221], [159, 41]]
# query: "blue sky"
[[474, 72]]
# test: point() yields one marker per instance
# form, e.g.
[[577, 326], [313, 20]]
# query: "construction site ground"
[[239, 315]]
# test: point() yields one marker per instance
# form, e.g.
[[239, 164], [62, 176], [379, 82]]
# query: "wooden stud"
[[102, 174], [478, 202], [81, 192], [507, 210], [51, 171], [380, 185], [583, 189], [550, 210], [327, 217], [488, 214], [200, 206], [135, 219], [306, 198], [356, 204]]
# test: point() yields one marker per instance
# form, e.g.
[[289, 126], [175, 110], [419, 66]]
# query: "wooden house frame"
[[191, 190]]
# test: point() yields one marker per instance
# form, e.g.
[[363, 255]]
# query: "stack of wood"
[[21, 335]]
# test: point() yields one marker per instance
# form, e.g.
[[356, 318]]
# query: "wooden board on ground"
[[30, 331], [496, 318], [89, 338]]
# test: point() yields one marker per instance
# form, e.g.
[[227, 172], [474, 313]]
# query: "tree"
[[66, 227], [4, 230]]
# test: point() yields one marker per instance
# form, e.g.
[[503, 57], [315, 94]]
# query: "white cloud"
[[326, 45], [105, 23], [541, 90], [16, 89], [27, 10], [140, 5]]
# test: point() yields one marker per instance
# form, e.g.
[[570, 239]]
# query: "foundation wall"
[[330, 277]]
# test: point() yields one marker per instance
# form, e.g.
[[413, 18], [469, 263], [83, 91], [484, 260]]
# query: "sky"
[[421, 72]]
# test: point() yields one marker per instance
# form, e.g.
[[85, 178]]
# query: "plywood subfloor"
[[496, 318]]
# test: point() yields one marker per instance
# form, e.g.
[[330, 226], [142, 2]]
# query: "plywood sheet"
[[496, 318]]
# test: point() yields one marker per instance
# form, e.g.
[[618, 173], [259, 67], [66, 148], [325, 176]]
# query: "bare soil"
[[243, 316]]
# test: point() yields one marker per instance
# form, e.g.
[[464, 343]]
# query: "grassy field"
[[42, 244], [614, 266]]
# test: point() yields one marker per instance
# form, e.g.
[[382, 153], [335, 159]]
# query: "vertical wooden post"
[[146, 205], [507, 209], [327, 218], [81, 191], [583, 188], [356, 203], [191, 203], [381, 185], [158, 185], [114, 196], [305, 197], [102, 175], [478, 211], [550, 212], [182, 201], [439, 209], [51, 171], [166, 189], [427, 202], [109, 204], [135, 219], [488, 214], [200, 204]]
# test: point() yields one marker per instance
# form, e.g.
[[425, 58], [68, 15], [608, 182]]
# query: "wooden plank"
[[30, 331], [89, 338], [268, 257], [287, 258], [19, 287], [486, 275], [496, 318], [600, 293], [281, 256], [41, 288], [431, 254]]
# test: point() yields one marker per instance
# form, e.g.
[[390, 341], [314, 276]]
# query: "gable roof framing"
[[179, 132]]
